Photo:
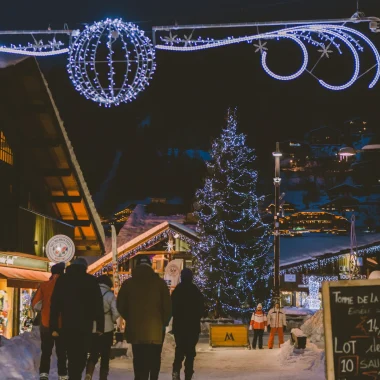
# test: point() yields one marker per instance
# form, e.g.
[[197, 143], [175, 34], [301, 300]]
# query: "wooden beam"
[[79, 223], [160, 252], [44, 142], [80, 253], [65, 199], [86, 242], [55, 172]]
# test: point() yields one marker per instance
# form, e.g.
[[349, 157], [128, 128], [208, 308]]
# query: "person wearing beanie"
[[188, 309], [78, 300], [276, 324], [258, 325], [144, 302], [41, 303]]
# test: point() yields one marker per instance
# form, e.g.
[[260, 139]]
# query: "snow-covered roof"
[[347, 151], [308, 247], [141, 227], [371, 147]]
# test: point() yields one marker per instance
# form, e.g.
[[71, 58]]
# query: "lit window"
[[6, 153]]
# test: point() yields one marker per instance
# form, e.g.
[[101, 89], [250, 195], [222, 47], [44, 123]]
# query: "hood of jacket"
[[104, 288], [76, 270], [142, 272]]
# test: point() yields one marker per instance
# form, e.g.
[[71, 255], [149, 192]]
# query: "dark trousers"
[[101, 347], [146, 361], [47, 344], [185, 349], [257, 334], [77, 346]]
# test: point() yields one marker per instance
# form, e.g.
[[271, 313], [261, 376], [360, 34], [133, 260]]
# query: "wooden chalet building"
[[42, 190]]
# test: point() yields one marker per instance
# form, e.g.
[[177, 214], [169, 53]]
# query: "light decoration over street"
[[111, 62], [326, 38], [95, 48]]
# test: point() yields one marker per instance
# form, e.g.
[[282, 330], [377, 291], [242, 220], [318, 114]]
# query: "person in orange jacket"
[[41, 302], [258, 324]]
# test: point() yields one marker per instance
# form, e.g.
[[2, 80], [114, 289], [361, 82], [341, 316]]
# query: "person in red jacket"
[[259, 324], [41, 302]]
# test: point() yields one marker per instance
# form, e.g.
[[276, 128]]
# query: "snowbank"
[[312, 357], [20, 357], [313, 327]]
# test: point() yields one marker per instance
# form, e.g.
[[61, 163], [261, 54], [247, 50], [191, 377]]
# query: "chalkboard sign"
[[352, 329]]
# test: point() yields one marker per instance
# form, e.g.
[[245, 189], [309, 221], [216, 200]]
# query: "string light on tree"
[[111, 62], [232, 255]]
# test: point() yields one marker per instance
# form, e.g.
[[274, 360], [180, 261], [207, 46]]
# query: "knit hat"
[[259, 305], [80, 261], [143, 259], [186, 275], [58, 268]]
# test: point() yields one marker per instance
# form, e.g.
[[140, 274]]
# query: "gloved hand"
[[268, 328], [250, 327], [284, 328]]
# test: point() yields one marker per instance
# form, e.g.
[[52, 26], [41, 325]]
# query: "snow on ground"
[[290, 310], [19, 359], [313, 327]]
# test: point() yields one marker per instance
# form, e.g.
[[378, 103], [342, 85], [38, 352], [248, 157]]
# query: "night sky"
[[190, 92]]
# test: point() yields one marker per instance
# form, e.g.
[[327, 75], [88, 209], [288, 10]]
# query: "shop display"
[[3, 312], [26, 311]]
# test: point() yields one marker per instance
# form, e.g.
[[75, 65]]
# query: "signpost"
[[352, 329], [60, 248]]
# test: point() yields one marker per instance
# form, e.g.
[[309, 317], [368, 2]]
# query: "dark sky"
[[191, 91]]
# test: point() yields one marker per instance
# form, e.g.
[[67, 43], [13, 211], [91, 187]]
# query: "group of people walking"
[[274, 322], [78, 313]]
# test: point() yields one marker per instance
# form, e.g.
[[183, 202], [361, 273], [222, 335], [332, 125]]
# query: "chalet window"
[[6, 154]]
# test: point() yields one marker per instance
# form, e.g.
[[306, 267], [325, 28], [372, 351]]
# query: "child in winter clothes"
[[259, 324], [277, 323]]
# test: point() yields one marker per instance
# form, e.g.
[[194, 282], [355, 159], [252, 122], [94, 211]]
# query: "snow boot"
[[103, 375], [44, 376], [176, 376], [65, 377], [90, 368]]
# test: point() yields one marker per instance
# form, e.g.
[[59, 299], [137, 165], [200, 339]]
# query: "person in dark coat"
[[144, 302], [78, 300], [41, 303], [188, 309]]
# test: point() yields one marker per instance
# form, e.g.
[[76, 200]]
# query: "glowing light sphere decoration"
[[111, 62]]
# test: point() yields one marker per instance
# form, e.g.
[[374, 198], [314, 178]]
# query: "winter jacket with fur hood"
[[110, 310]]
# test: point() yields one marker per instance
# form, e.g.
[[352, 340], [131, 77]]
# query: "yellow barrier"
[[229, 336]]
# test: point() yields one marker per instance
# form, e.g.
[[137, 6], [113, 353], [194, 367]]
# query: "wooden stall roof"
[[53, 153], [141, 239]]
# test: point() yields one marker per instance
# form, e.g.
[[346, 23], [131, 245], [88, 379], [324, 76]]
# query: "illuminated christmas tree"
[[232, 257]]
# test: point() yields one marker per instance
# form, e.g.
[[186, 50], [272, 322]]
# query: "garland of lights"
[[317, 263], [231, 259], [86, 62], [127, 255], [321, 36], [96, 52]]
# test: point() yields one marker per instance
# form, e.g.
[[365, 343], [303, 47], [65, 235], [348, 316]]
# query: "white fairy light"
[[327, 33], [86, 67]]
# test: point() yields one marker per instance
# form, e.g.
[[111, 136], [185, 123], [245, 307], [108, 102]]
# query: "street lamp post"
[[277, 182]]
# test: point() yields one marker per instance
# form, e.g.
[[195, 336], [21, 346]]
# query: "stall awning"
[[23, 278]]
